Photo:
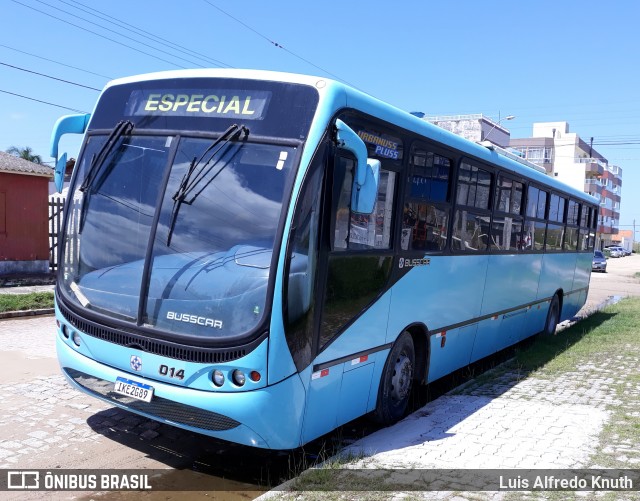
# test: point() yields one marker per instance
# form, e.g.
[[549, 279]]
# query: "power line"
[[65, 21], [146, 34], [48, 76], [55, 62], [113, 31], [44, 102], [277, 45]]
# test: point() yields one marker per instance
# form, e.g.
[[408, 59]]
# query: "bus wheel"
[[552, 317], [396, 382]]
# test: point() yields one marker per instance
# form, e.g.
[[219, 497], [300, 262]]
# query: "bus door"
[[354, 267]]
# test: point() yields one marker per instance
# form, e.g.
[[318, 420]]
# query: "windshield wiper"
[[190, 182], [123, 127]]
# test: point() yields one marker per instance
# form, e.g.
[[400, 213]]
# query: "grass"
[[611, 333], [330, 479], [32, 301], [605, 345]]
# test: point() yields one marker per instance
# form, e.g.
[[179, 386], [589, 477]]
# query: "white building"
[[474, 127], [566, 156]]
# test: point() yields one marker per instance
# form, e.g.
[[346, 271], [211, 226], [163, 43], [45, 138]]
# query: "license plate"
[[134, 389]]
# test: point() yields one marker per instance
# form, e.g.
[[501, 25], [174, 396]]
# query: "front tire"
[[396, 382], [553, 316]]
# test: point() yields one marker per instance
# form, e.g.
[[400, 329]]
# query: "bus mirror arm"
[[69, 124], [367, 174]]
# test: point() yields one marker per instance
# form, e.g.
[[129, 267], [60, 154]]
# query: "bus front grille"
[[156, 346], [161, 407]]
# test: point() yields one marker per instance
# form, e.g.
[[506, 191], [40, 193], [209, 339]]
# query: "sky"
[[540, 60]]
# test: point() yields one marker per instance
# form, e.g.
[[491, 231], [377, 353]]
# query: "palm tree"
[[25, 153]]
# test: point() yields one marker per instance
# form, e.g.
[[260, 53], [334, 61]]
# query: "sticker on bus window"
[[382, 145]]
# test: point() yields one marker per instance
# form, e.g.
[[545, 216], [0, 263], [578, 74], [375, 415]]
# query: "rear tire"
[[553, 316], [396, 382]]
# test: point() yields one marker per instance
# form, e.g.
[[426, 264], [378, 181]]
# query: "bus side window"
[[571, 231], [588, 223], [341, 199], [302, 266], [535, 231], [425, 218], [555, 232], [471, 222], [506, 228], [360, 231]]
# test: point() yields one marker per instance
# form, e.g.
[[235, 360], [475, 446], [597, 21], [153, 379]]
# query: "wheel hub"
[[401, 379]]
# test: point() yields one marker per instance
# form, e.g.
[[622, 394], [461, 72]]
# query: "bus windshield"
[[173, 234], [176, 201]]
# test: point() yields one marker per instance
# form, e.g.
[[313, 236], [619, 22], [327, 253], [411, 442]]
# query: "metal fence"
[[56, 206]]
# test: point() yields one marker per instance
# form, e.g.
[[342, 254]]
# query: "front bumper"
[[269, 417]]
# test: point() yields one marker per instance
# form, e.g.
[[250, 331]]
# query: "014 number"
[[172, 372]]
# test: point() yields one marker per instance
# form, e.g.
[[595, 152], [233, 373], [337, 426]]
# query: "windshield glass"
[[210, 277]]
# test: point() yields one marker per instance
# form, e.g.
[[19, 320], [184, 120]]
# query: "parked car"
[[613, 251], [599, 262], [619, 250]]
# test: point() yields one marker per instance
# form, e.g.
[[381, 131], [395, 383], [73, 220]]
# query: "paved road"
[[619, 280], [27, 289], [46, 424]]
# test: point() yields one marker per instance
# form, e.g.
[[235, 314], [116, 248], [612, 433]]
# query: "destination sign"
[[219, 103]]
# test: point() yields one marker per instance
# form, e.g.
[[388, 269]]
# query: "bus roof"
[[368, 104]]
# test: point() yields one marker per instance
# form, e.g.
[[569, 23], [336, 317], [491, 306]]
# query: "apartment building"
[[571, 159], [562, 154], [476, 127]]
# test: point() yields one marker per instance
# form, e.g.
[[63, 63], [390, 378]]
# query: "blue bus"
[[262, 257]]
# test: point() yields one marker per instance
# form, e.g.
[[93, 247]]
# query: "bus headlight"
[[218, 378], [238, 377], [75, 337]]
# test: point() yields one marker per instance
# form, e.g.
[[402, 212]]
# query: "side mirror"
[[59, 171], [69, 124], [363, 198], [367, 174]]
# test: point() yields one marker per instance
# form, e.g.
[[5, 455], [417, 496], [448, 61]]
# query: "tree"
[[25, 153]]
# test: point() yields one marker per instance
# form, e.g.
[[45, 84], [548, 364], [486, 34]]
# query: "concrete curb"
[[26, 313]]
